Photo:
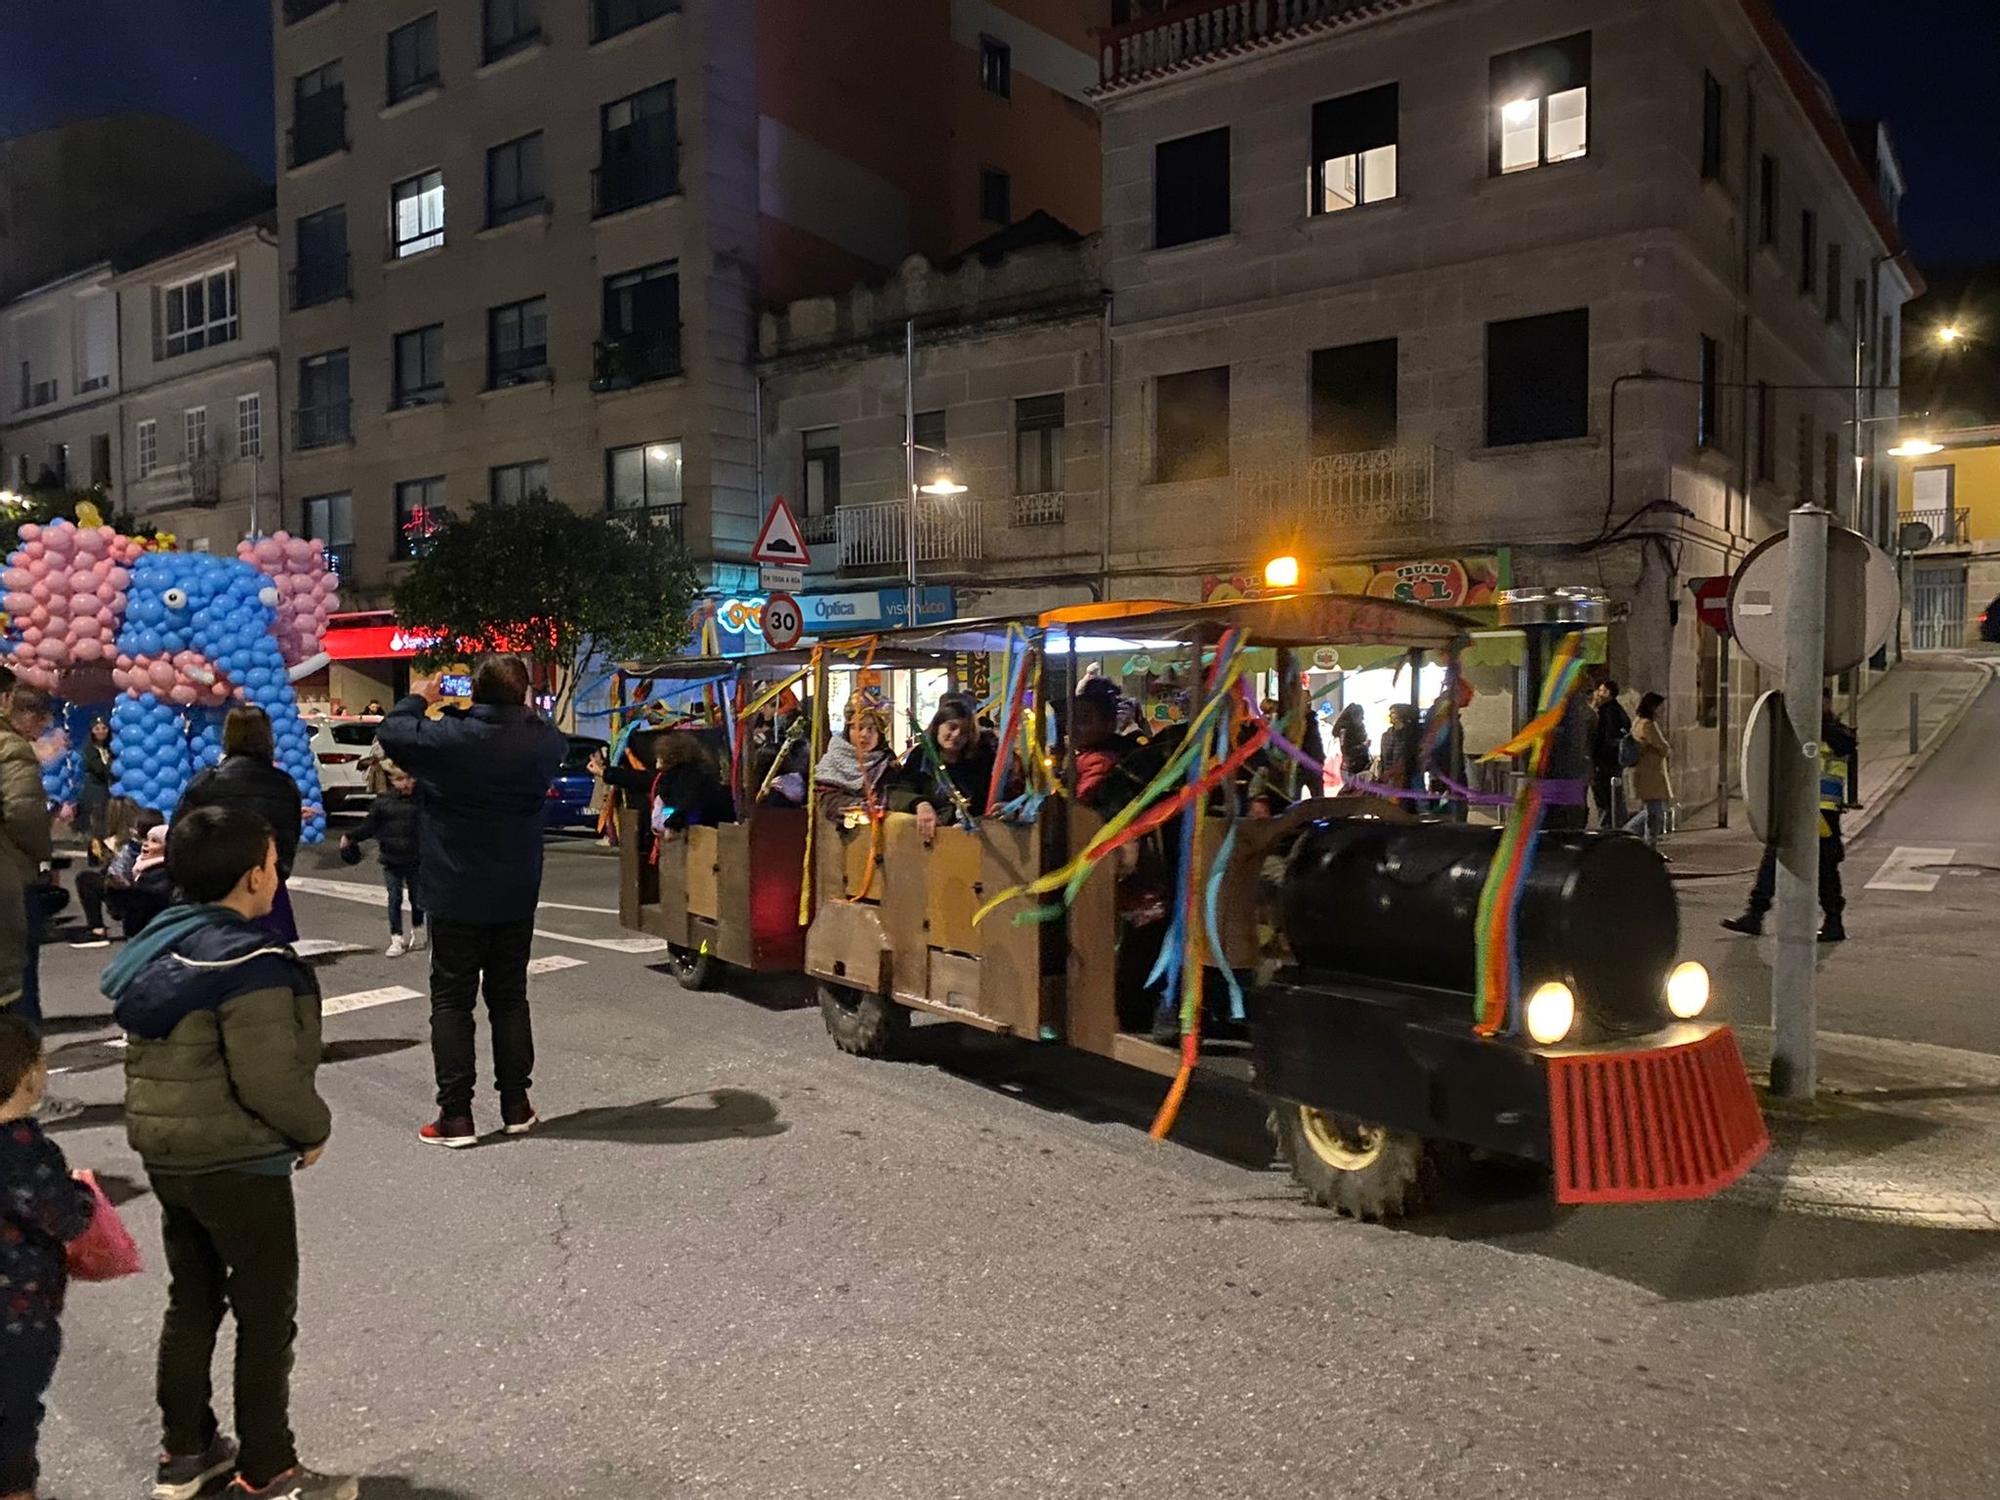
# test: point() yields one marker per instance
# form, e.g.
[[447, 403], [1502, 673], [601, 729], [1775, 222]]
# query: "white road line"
[[324, 947], [602, 911], [555, 963], [1902, 871], [368, 895], [611, 945], [340, 1005], [340, 890]]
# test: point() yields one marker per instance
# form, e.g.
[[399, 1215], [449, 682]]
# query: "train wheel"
[[866, 1025], [1365, 1171], [693, 968]]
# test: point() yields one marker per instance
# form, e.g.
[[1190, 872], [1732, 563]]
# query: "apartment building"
[[526, 241], [1586, 291], [1952, 580], [152, 378]]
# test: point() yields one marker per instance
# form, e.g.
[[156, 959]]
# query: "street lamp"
[[1915, 447], [1282, 573], [941, 482], [1950, 334]]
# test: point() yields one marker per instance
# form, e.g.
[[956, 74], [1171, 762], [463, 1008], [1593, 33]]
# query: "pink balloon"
[[40, 591], [16, 578], [31, 637], [121, 578], [184, 694], [30, 532], [162, 674], [90, 541], [51, 651], [89, 649], [17, 601]]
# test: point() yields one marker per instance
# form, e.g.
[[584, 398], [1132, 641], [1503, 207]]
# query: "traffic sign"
[[1862, 597], [1711, 601], [781, 544], [783, 622], [780, 580], [1762, 796]]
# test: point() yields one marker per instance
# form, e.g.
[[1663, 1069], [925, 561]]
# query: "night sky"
[[1927, 66]]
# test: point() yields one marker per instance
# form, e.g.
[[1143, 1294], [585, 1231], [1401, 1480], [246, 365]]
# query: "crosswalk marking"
[[340, 1005], [324, 947], [600, 911], [554, 963], [610, 945], [1904, 869], [349, 890]]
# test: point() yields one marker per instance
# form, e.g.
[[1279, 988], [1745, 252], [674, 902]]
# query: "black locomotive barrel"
[[1397, 902]]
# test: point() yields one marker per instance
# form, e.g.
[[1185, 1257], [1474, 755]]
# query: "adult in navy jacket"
[[482, 774]]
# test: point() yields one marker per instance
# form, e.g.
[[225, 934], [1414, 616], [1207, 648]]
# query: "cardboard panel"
[[955, 888], [703, 870], [846, 945]]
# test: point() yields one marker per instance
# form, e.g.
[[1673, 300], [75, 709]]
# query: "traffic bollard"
[[1913, 723]]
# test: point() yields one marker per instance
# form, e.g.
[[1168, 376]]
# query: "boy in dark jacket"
[[223, 1040], [42, 1208], [393, 822]]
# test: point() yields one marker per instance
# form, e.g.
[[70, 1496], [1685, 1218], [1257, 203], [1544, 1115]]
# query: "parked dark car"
[[568, 801], [1989, 622]]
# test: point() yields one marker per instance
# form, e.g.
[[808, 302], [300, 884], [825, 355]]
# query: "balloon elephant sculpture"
[[177, 637]]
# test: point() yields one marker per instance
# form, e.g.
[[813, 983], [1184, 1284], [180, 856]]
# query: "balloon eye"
[[175, 598], [268, 595]]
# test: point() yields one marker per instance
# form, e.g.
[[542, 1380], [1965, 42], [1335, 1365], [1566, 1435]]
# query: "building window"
[[514, 188], [319, 114], [642, 328], [198, 312], [413, 58], [1805, 457], [1538, 378], [1708, 407], [1808, 252], [417, 211], [96, 342], [930, 435], [1833, 286], [1038, 445], [323, 402], [517, 343], [320, 274], [420, 515], [1934, 489], [1540, 105], [638, 150], [1191, 189], [330, 519], [419, 367], [1767, 432], [609, 17], [1712, 127], [1191, 425], [1354, 398], [100, 460], [1354, 150], [996, 196], [820, 477], [146, 438], [1767, 200], [996, 67], [509, 484], [507, 26], [250, 426], [194, 434], [643, 480]]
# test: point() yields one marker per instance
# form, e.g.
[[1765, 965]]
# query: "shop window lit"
[[1541, 104], [418, 213]]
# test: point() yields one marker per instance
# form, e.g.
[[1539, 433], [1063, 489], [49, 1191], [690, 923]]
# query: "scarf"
[[160, 935], [842, 769]]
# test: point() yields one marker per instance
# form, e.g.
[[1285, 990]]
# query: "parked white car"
[[343, 748]]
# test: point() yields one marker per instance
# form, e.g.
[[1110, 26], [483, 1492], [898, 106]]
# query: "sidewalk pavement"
[[1946, 683]]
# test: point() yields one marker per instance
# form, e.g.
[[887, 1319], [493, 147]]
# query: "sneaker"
[[455, 1131], [190, 1476], [398, 946], [1749, 924], [517, 1116], [420, 937], [1833, 932], [298, 1484]]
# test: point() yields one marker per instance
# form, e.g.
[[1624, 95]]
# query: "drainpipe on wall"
[[1104, 457]]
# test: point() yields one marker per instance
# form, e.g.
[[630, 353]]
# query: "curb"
[[1859, 823]]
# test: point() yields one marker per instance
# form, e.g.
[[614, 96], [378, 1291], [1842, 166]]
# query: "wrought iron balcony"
[[1036, 510], [323, 425], [627, 181], [1342, 494], [609, 17], [878, 535], [1950, 526], [1198, 31], [634, 358], [319, 126], [322, 279]]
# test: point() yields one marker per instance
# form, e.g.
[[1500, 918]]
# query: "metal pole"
[[1915, 733], [1794, 1005], [910, 464]]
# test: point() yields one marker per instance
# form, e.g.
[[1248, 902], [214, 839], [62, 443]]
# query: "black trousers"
[[232, 1241], [462, 953], [1832, 900], [27, 1365]]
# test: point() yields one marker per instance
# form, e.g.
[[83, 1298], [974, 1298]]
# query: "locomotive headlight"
[[1687, 990], [1551, 1012]]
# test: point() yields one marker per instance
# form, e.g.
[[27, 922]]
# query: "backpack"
[[1629, 751]]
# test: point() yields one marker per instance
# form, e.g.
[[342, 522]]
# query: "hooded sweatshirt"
[[223, 1031]]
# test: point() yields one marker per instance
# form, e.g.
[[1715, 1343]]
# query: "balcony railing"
[[1036, 510], [37, 393], [323, 425], [1206, 29], [1949, 526], [877, 536], [627, 181], [325, 279], [319, 126], [1338, 494], [633, 359], [819, 530], [340, 558], [672, 517], [196, 481]]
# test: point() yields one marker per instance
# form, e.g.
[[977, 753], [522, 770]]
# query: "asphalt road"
[[738, 1263], [1920, 965]]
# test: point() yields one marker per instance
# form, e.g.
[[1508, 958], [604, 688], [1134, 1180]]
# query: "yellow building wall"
[[1976, 485]]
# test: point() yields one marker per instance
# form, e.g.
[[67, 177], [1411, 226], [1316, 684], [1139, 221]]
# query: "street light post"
[[910, 467]]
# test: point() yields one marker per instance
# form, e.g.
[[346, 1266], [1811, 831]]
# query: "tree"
[[549, 582], [42, 504]]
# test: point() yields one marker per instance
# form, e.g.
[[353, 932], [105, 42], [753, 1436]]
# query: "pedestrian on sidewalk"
[[223, 1041], [42, 1208], [1607, 772], [1350, 733], [1652, 788], [94, 801], [248, 777], [25, 844], [1836, 743], [394, 822], [482, 774], [134, 887], [1396, 758]]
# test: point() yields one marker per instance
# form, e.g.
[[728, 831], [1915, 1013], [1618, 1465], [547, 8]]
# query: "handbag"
[[1629, 751], [106, 1250]]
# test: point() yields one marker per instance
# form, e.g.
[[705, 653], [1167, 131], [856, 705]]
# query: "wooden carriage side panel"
[[671, 915], [1013, 989], [632, 872], [703, 870], [903, 881], [955, 888], [733, 943], [777, 867], [847, 946], [1090, 1001]]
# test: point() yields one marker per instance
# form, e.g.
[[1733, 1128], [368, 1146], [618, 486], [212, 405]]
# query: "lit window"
[[1541, 104], [1354, 150], [417, 210], [420, 514], [509, 484], [643, 479], [198, 312]]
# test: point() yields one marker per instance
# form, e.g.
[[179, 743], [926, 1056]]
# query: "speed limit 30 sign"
[[784, 622]]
